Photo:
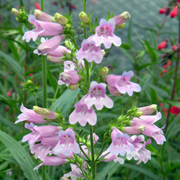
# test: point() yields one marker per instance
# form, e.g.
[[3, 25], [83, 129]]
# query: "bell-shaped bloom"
[[96, 96], [36, 50], [30, 116], [174, 12], [83, 114], [120, 144], [39, 132], [50, 45], [111, 157], [42, 28], [147, 109], [139, 153], [52, 161], [59, 51], [43, 148], [70, 77], [163, 44], [104, 34], [42, 16], [75, 173], [147, 122], [90, 52], [66, 143], [122, 84]]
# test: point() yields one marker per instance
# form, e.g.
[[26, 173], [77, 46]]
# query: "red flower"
[[161, 104], [161, 74], [175, 47], [174, 12], [175, 110], [37, 5], [168, 63], [6, 108], [164, 71], [163, 45], [165, 10], [73, 6], [19, 7], [165, 66], [9, 94]]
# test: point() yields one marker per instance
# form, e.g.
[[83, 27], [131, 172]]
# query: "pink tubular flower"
[[145, 123], [139, 153], [148, 109], [174, 12], [75, 173], [39, 132], [29, 115], [42, 16], [95, 138], [90, 52], [83, 114], [111, 157], [120, 144], [52, 161], [42, 29], [104, 34], [97, 96], [50, 44], [66, 143], [58, 52], [122, 83]]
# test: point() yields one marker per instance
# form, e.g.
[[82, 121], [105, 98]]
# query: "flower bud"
[[83, 17], [15, 11], [103, 52], [104, 71], [147, 109], [64, 178], [174, 12], [40, 15], [68, 26], [175, 47], [45, 112], [60, 19], [29, 82], [69, 45], [73, 86], [121, 18]]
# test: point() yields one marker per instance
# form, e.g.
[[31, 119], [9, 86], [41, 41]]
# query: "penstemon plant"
[[55, 142]]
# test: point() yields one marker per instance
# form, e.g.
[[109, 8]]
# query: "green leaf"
[[11, 103], [21, 156], [173, 103], [65, 101], [142, 170], [109, 169], [125, 46], [12, 63], [13, 50], [9, 123]]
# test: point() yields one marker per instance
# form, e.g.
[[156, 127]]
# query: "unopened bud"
[[147, 109], [55, 59], [83, 17], [73, 86], [60, 19], [40, 15], [69, 45], [68, 26], [15, 11], [64, 178], [138, 114], [121, 18], [104, 71], [29, 82]]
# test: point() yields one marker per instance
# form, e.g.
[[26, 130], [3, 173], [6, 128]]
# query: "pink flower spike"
[[42, 28], [120, 144], [90, 52], [96, 96], [29, 115], [52, 161], [124, 85], [83, 114], [104, 34], [67, 143], [50, 44]]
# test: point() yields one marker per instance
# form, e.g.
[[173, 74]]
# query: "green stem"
[[54, 96], [84, 153], [93, 162], [42, 5], [35, 99]]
